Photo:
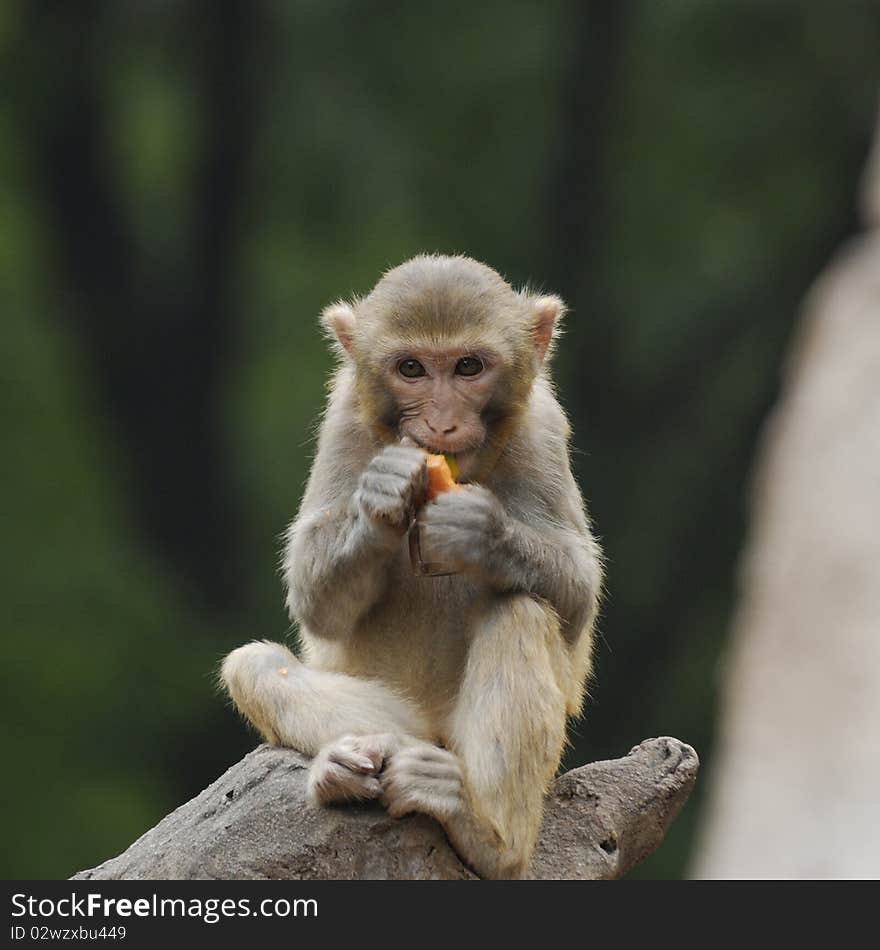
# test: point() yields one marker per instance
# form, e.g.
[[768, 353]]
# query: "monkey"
[[445, 695]]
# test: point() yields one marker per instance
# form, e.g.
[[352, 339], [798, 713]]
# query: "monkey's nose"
[[444, 429]]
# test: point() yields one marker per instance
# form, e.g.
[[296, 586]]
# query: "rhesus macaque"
[[446, 695]]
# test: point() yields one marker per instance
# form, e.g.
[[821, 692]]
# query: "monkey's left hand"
[[462, 528]]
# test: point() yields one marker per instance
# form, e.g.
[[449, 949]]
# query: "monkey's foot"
[[423, 778], [346, 770]]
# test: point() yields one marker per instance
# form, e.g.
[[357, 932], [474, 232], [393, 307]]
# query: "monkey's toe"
[[331, 782], [359, 753], [422, 778], [347, 769]]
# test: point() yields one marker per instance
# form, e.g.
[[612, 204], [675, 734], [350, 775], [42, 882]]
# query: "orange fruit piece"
[[440, 478]]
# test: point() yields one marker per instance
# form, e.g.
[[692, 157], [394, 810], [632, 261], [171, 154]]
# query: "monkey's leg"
[[350, 725], [506, 737], [508, 728]]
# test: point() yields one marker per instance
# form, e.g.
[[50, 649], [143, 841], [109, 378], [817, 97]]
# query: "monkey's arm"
[[559, 566], [333, 566], [336, 560], [556, 562]]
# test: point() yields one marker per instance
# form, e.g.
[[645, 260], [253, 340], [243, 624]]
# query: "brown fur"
[[445, 695]]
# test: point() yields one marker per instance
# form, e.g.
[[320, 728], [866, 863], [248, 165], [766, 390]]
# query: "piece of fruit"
[[441, 475]]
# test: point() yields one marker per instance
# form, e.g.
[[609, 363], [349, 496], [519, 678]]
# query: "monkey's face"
[[441, 396], [444, 352]]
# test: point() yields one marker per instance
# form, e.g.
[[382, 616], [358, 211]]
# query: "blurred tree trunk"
[[158, 343], [592, 91], [796, 783]]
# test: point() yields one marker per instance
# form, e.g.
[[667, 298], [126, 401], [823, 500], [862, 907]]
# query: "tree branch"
[[255, 822]]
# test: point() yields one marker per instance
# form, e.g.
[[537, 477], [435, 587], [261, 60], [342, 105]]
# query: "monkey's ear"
[[339, 321], [548, 311]]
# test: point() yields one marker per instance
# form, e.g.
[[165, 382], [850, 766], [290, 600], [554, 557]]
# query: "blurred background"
[[183, 186]]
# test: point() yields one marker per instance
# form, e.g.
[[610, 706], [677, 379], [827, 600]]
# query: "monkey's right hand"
[[393, 485]]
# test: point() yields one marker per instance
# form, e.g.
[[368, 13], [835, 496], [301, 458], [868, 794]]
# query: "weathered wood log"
[[255, 822]]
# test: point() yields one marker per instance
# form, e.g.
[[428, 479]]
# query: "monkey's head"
[[445, 353]]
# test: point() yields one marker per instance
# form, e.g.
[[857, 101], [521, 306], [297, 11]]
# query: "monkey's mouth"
[[461, 458], [463, 453], [459, 449]]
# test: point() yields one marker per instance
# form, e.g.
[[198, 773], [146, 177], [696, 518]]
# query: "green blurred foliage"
[[722, 176]]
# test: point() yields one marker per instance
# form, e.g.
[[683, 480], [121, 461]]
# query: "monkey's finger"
[[442, 535], [386, 495], [385, 487], [400, 453], [404, 468], [454, 519], [468, 499], [457, 527]]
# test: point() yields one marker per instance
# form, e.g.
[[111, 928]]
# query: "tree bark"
[[255, 822]]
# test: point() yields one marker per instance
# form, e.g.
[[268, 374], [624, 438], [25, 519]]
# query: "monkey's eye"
[[469, 366], [410, 368]]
